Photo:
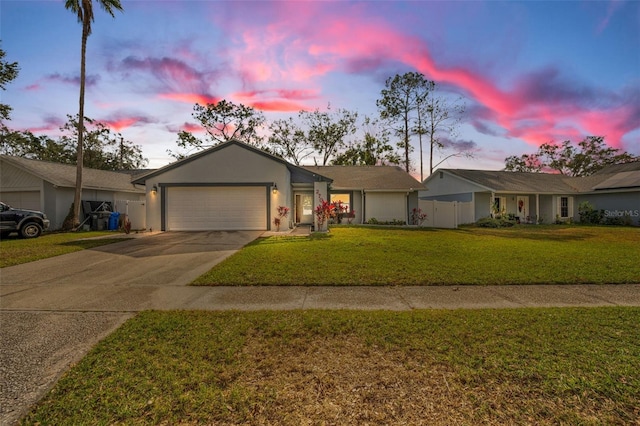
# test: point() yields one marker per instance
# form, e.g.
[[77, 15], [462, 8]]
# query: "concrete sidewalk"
[[88, 297]]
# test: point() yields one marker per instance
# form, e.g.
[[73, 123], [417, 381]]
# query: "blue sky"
[[528, 72]]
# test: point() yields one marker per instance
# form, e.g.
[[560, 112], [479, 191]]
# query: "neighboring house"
[[539, 197], [50, 187], [235, 186], [384, 193]]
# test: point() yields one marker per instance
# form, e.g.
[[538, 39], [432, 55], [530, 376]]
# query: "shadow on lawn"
[[290, 239], [560, 234]]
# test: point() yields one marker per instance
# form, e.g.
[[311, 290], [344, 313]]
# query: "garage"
[[29, 200], [208, 208]]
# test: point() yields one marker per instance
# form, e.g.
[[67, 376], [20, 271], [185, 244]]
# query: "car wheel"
[[31, 230]]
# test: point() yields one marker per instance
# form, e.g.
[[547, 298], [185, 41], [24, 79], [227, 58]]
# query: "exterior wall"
[[230, 165], [461, 198], [482, 204], [386, 206], [624, 205], [442, 183], [20, 189]]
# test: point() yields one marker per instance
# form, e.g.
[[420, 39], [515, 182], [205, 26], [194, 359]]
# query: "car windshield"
[[4, 207]]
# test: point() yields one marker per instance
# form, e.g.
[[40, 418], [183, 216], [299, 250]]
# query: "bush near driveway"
[[518, 366], [14, 251], [357, 255]]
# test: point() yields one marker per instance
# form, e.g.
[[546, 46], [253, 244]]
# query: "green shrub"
[[588, 214], [490, 222]]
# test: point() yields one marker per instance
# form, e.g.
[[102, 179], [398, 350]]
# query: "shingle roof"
[[382, 178], [620, 180], [547, 183], [64, 175], [617, 168], [518, 181]]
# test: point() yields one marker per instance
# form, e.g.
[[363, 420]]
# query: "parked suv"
[[27, 223]]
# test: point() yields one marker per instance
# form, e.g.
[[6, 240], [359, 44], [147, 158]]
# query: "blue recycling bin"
[[113, 221]]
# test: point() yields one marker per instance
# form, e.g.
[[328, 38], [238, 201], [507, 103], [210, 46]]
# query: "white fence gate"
[[135, 211], [446, 214]]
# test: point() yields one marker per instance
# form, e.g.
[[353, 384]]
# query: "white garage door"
[[216, 208]]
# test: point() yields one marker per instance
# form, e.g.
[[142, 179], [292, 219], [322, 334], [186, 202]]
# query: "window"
[[499, 205], [565, 207], [343, 198]]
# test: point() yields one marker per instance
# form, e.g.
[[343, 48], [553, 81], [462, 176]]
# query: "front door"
[[304, 207], [522, 209]]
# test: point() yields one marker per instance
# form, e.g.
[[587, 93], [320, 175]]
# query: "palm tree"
[[84, 10]]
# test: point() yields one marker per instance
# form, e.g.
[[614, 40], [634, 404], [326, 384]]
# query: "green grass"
[[524, 366], [387, 256], [15, 251]]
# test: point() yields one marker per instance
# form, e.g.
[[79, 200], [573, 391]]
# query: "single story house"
[[50, 187], [383, 193], [539, 197], [235, 186]]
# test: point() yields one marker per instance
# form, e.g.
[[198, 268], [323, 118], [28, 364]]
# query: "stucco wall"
[[386, 206], [625, 205], [232, 164]]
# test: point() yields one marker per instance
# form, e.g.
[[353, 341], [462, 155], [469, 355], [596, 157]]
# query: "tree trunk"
[[79, 153]]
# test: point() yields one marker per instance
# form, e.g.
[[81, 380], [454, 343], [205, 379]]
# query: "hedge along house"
[[540, 197], [231, 186], [383, 193], [49, 187]]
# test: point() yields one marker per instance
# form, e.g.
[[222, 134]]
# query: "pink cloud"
[[191, 98], [300, 44], [123, 121]]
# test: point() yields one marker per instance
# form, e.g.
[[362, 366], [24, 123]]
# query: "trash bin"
[[113, 221]]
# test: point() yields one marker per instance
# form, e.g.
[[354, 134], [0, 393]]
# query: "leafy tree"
[[26, 144], [588, 157], [8, 73], [401, 98], [327, 130], [288, 141], [374, 149], [222, 122], [84, 11], [103, 149], [438, 119]]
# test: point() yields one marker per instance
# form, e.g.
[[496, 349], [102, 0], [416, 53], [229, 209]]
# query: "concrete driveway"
[[117, 277], [54, 310]]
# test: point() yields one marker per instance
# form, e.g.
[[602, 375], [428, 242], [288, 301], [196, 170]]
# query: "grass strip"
[[15, 251], [520, 366], [387, 256]]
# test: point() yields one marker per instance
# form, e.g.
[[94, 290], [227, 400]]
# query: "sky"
[[527, 72]]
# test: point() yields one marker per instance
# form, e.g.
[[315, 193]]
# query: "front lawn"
[[388, 256], [14, 251], [524, 366]]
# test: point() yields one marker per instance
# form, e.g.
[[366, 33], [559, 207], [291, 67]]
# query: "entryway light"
[[275, 188], [154, 189]]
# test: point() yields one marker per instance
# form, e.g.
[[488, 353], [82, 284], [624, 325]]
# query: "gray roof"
[[620, 180], [501, 181], [381, 178], [547, 183], [64, 175], [633, 166]]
